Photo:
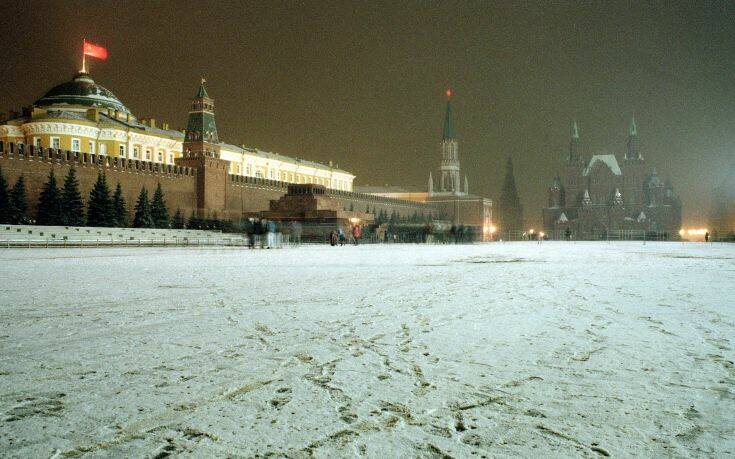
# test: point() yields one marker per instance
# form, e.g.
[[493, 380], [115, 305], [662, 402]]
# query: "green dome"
[[82, 90]]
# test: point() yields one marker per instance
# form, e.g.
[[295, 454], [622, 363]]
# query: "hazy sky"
[[362, 83]]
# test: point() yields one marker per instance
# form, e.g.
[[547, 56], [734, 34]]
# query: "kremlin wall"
[[81, 124]]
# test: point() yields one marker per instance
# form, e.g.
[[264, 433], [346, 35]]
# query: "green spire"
[[632, 129], [448, 126], [201, 125], [202, 90], [575, 130]]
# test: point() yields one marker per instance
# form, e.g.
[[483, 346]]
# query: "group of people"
[[339, 237]]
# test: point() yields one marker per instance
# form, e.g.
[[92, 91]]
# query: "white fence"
[[71, 236]]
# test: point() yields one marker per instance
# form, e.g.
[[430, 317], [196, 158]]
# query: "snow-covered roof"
[[609, 160], [563, 218]]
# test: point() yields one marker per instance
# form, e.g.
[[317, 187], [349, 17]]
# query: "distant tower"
[[632, 152], [450, 153], [573, 168], [633, 169], [201, 137], [431, 184], [574, 148]]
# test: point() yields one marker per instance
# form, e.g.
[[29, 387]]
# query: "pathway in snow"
[[498, 349]]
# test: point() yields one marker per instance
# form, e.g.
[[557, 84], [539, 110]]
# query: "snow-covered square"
[[522, 349]]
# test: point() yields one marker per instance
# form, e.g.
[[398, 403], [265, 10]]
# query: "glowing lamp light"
[[531, 231], [492, 229], [354, 220], [542, 234], [682, 232], [448, 93]]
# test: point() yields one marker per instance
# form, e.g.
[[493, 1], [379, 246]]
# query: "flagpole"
[[84, 57]]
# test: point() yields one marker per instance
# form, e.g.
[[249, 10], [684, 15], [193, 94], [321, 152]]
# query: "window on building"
[[170, 158], [37, 142], [247, 170], [75, 145], [136, 151], [160, 156], [55, 143], [103, 148], [91, 147], [122, 151], [147, 155], [271, 174]]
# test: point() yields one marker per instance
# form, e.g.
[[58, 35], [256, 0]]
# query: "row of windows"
[[292, 177], [76, 145]]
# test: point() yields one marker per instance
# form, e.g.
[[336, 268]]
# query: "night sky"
[[362, 83]]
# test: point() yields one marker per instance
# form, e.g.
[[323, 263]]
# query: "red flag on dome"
[[90, 49]]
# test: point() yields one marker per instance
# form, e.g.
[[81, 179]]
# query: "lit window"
[[135, 152], [122, 151], [147, 155], [103, 148], [55, 143], [170, 158], [75, 145], [37, 142], [160, 156], [91, 147]]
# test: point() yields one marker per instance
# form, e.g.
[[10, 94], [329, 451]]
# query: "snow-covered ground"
[[553, 349]]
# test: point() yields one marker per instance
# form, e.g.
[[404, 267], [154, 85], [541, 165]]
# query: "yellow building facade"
[[82, 116]]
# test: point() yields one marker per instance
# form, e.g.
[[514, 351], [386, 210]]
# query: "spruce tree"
[[119, 211], [4, 200], [178, 221], [159, 211], [49, 203], [72, 206], [18, 203], [99, 209], [142, 218], [509, 207], [194, 222]]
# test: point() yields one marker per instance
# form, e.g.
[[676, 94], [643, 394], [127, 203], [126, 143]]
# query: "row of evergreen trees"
[[13, 202], [64, 206]]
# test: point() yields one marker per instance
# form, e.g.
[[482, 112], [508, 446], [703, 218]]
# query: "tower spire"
[[201, 136], [448, 125], [450, 181], [574, 154], [632, 152]]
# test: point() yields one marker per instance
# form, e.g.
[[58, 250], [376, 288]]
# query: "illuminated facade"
[[599, 195], [82, 116]]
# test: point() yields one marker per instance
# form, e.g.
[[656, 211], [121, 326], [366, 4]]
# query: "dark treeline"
[[64, 206]]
